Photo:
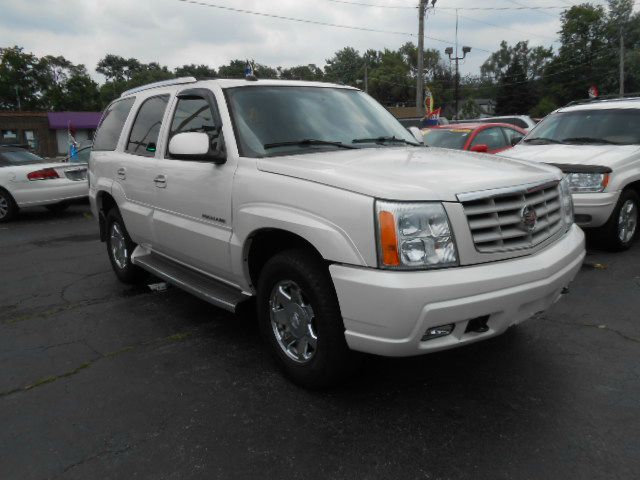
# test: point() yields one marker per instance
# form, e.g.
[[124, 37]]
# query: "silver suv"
[[312, 199]]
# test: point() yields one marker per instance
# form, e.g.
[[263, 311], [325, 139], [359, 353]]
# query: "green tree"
[[584, 57], [514, 91], [543, 108], [389, 81], [193, 70], [303, 72], [21, 75], [345, 67]]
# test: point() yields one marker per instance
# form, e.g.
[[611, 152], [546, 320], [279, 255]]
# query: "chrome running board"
[[204, 287]]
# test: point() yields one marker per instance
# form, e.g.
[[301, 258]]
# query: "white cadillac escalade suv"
[[312, 198]]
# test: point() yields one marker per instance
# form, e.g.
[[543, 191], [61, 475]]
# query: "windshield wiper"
[[382, 140], [304, 142], [542, 140], [589, 140]]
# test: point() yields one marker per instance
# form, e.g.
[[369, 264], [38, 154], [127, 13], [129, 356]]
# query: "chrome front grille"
[[496, 217]]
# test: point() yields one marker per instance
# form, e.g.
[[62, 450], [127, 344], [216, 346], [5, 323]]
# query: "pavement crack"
[[591, 325], [176, 337]]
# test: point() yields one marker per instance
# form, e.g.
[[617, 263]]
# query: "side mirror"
[[417, 134], [197, 146], [480, 148]]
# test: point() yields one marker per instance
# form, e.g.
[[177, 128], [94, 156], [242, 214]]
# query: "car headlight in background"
[[567, 202], [587, 182], [414, 236]]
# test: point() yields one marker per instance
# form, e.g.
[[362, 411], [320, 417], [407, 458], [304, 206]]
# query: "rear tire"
[[119, 248], [57, 207], [621, 229], [8, 207], [300, 320]]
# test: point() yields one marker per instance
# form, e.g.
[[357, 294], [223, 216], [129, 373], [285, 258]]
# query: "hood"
[[405, 173], [605, 155]]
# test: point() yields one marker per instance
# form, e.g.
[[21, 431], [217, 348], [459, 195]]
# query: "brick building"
[[46, 132]]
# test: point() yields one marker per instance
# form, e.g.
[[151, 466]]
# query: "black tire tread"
[[13, 206], [607, 235], [333, 361], [131, 274]]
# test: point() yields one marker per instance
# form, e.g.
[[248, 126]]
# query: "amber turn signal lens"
[[388, 239]]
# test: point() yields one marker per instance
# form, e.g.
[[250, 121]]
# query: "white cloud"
[[174, 33]]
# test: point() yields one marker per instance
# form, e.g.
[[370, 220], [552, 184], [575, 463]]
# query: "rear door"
[[136, 168], [192, 219]]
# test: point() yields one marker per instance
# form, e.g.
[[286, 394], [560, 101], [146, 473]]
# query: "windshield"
[[18, 157], [293, 120], [446, 138], [610, 126]]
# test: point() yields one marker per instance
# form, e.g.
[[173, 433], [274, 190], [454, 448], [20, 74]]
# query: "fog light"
[[436, 332]]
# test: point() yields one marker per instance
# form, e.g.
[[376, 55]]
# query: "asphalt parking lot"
[[102, 380]]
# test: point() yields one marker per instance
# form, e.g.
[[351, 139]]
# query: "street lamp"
[[449, 52]]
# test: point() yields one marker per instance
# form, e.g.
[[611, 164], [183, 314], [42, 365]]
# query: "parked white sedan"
[[27, 180]]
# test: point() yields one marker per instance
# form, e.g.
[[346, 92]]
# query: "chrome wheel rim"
[[627, 221], [118, 246], [293, 321], [4, 206]]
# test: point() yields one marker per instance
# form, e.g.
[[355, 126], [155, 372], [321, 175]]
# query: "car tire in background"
[[58, 207], [8, 207], [119, 248], [621, 229], [299, 318]]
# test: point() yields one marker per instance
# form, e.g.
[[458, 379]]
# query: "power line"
[[501, 27], [404, 7], [315, 22]]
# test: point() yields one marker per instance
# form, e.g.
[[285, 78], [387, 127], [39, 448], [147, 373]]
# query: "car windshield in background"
[[18, 157], [277, 120], [589, 127], [447, 137]]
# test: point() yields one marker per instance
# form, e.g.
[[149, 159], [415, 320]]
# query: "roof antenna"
[[248, 72]]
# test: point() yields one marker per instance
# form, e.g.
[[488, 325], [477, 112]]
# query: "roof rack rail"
[[163, 83], [629, 96]]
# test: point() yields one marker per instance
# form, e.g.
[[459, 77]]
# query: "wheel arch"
[[104, 203], [264, 243]]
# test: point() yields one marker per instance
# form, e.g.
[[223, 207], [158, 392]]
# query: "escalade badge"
[[529, 217]]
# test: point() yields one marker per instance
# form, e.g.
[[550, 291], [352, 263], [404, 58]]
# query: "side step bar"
[[208, 289]]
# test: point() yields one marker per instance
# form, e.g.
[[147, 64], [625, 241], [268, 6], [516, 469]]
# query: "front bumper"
[[597, 206], [388, 312]]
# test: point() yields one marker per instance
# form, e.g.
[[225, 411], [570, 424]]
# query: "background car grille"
[[496, 220]]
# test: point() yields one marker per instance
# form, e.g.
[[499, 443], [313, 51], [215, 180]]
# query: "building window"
[[30, 139], [9, 136]]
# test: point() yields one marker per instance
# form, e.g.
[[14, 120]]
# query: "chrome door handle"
[[160, 181], [122, 173]]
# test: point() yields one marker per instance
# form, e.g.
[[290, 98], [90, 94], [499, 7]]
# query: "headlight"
[[587, 182], [567, 202], [414, 236]]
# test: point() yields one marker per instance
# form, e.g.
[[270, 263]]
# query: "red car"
[[475, 137]]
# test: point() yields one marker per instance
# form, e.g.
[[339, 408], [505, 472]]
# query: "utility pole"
[[419, 71], [621, 62], [366, 74], [449, 52], [18, 97]]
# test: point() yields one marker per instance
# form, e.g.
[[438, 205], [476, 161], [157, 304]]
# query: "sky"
[[174, 32]]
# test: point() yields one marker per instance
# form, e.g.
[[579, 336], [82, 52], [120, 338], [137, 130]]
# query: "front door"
[[192, 216]]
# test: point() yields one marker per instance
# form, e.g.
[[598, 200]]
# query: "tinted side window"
[[146, 127], [111, 125], [491, 137], [518, 122], [193, 114], [513, 136]]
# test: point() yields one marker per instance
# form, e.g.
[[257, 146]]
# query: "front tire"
[[299, 318], [119, 248], [8, 206], [621, 229]]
